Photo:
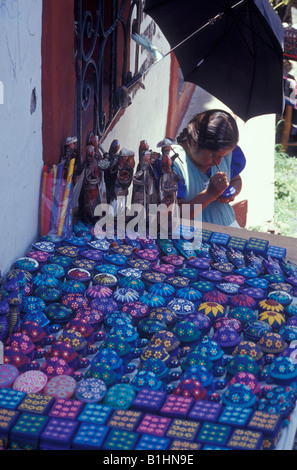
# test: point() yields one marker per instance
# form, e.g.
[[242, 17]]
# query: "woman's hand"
[[217, 185], [236, 182]]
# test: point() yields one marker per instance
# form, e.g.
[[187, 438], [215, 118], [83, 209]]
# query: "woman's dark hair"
[[213, 130]]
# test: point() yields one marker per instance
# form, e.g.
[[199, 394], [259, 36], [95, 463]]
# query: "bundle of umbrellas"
[[56, 200]]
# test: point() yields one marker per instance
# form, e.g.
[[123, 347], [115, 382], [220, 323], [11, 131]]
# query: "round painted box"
[[242, 300], [123, 295], [283, 370], [80, 275], [61, 386], [189, 293], [30, 382], [136, 311], [272, 343], [132, 283], [181, 307], [187, 333], [254, 330], [271, 305], [8, 374], [227, 338], [98, 292], [164, 289], [163, 315], [243, 314], [90, 390], [212, 310], [273, 319], [106, 280], [191, 388], [249, 348], [217, 297], [239, 395], [120, 396]]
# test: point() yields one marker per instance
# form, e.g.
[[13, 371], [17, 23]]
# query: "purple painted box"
[[66, 409], [177, 406], [58, 434], [155, 425], [149, 400], [205, 411]]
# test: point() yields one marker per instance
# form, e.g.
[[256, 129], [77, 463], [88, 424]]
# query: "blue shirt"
[[195, 182]]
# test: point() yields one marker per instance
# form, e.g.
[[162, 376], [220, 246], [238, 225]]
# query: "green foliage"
[[278, 3], [285, 193]]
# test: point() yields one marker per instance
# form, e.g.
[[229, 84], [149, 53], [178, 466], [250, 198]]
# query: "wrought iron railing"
[[103, 31]]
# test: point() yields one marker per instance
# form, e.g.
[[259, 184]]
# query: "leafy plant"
[[285, 192]]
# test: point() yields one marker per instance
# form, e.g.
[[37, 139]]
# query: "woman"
[[205, 149]]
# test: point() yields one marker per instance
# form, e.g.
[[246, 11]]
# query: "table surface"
[[277, 240]]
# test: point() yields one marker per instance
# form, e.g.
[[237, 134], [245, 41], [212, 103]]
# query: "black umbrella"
[[230, 48]]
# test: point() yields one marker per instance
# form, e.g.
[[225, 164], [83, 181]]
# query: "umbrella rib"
[[211, 22], [252, 29]]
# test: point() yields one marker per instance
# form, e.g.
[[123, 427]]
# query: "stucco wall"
[[146, 117], [20, 124]]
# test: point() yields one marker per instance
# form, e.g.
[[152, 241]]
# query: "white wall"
[[20, 127], [146, 117]]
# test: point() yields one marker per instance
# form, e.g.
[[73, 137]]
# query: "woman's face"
[[207, 158]]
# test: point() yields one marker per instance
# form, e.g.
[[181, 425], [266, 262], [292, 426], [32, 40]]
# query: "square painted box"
[[276, 252], [149, 442], [245, 439], [95, 413], [214, 434], [237, 243], [66, 409], [7, 420], [257, 246], [220, 239], [58, 434], [206, 234], [149, 400], [210, 447], [26, 432], [205, 411], [125, 419], [183, 429], [177, 406], [235, 416], [118, 439], [10, 398], [184, 232], [154, 424], [270, 425], [36, 403], [89, 436], [178, 444]]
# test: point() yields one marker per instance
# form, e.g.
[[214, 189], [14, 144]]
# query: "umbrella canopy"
[[230, 48]]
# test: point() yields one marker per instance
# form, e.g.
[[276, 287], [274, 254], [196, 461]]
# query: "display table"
[[139, 345], [289, 243]]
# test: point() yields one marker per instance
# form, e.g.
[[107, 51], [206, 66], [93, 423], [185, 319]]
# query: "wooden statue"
[[168, 185], [92, 186], [144, 179], [111, 171]]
